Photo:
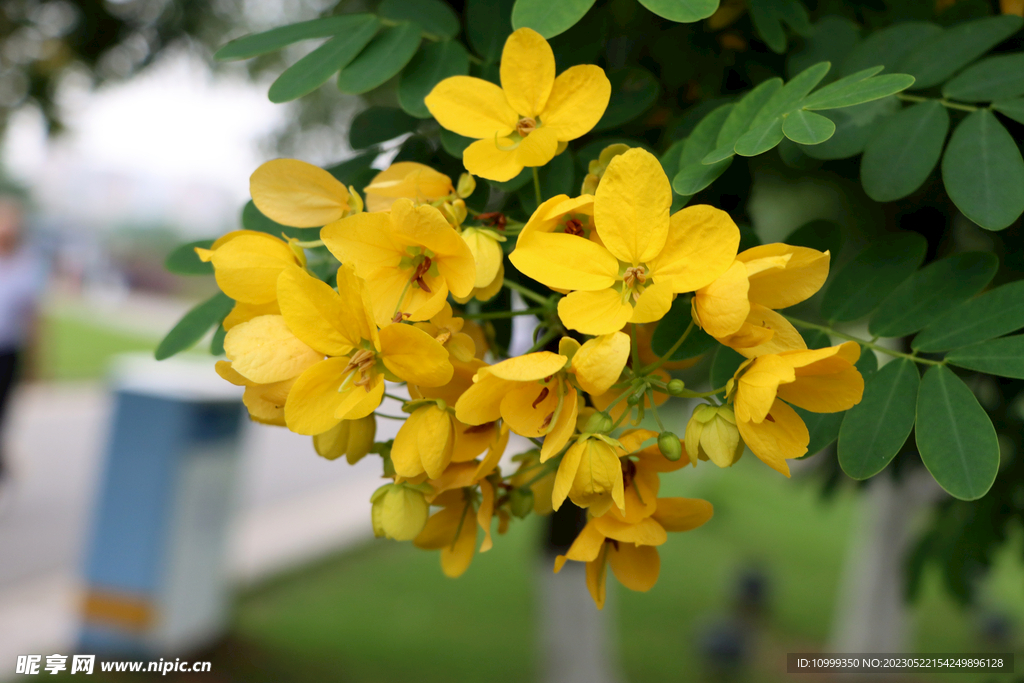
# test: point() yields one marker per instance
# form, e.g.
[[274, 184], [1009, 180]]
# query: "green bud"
[[668, 444], [398, 512], [676, 387], [520, 502], [637, 396], [599, 423]]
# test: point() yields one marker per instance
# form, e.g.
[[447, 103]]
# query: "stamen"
[[635, 275], [421, 270], [493, 219], [547, 421], [574, 227], [399, 317], [543, 395], [443, 337], [361, 361], [769, 418], [476, 429], [526, 126]]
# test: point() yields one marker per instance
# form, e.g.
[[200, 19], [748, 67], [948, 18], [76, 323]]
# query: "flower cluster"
[[396, 313]]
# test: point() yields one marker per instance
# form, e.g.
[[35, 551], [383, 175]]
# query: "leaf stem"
[[668, 354], [864, 342], [524, 292], [551, 333], [536, 186], [941, 100]]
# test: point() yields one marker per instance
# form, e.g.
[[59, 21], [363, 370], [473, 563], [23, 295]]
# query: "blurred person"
[[21, 283]]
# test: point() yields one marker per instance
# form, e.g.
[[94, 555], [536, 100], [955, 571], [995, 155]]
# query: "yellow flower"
[[533, 394], [265, 402], [738, 308], [712, 434], [246, 264], [821, 381], [453, 530], [317, 322], [406, 180], [292, 192], [647, 256], [424, 442], [485, 245], [629, 548], [410, 255], [351, 438], [399, 511], [447, 330], [526, 120]]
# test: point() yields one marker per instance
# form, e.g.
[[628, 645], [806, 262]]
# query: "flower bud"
[[467, 184], [599, 423], [676, 387], [399, 512], [637, 396], [520, 502], [711, 434], [598, 166], [351, 438], [668, 444]]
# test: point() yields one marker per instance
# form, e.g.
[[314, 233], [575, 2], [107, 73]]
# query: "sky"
[[174, 145]]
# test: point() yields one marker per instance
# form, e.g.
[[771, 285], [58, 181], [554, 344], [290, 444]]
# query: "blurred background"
[[120, 140]]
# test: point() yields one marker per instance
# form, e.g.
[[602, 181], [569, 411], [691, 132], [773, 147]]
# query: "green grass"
[[75, 349]]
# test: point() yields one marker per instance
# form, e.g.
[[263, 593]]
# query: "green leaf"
[[994, 78], [861, 285], [993, 314], [455, 144], [670, 159], [1013, 109], [435, 17], [313, 70], [282, 36], [549, 18], [983, 171], [768, 16], [348, 171], [634, 91], [791, 95], [741, 115], [807, 128], [941, 56], [488, 24], [957, 441], [672, 326], [184, 260], [682, 11], [525, 176], [819, 234], [382, 59], [693, 175], [845, 93], [379, 124], [431, 65], [253, 219], [557, 177], [854, 127], [217, 342], [932, 291], [903, 152], [888, 46], [724, 366], [875, 429], [831, 40], [194, 325], [760, 139], [1003, 357]]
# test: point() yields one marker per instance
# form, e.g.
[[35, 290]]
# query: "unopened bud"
[[711, 434], [399, 512], [520, 502], [351, 438], [637, 396], [467, 184], [676, 387], [668, 444], [599, 423]]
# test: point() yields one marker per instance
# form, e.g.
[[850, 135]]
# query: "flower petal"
[[486, 253], [246, 267], [298, 194], [482, 402], [564, 261], [265, 351], [471, 107], [774, 441], [567, 473], [406, 179], [653, 304], [682, 514], [828, 386], [364, 241], [631, 207], [635, 566], [316, 314], [721, 307], [646, 531], [537, 148], [456, 557], [314, 397], [585, 548], [485, 514], [758, 387], [530, 367], [577, 101], [802, 276], [564, 426], [599, 362], [527, 71], [414, 355], [784, 337], [600, 312], [701, 245], [485, 159]]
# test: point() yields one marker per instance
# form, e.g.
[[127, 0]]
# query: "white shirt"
[[22, 278]]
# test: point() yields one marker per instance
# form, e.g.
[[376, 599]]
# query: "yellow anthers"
[[399, 511], [526, 120], [292, 192], [644, 258], [711, 434], [819, 380], [351, 438]]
